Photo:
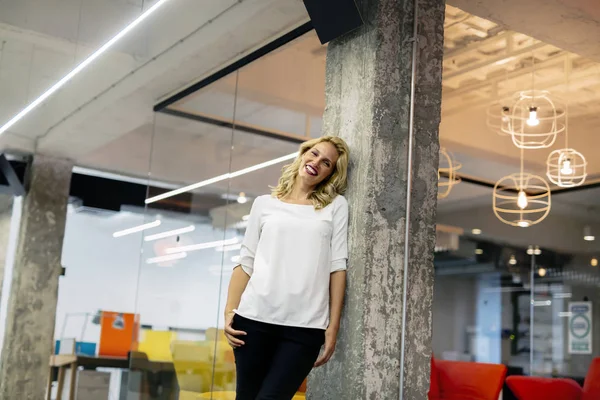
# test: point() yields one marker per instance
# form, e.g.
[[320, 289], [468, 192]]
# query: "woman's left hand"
[[329, 347]]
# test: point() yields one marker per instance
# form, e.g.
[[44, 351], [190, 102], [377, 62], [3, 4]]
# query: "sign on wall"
[[580, 327]]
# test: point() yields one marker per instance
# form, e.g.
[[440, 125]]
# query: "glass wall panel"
[[179, 292], [521, 297], [101, 257], [565, 328], [229, 140]]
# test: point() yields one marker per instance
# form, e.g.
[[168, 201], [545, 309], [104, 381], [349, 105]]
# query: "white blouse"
[[289, 251]]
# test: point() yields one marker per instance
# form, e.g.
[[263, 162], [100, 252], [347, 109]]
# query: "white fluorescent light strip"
[[562, 295], [231, 247], [80, 67], [170, 257], [174, 232], [202, 246], [220, 178], [565, 314], [136, 229], [541, 303]]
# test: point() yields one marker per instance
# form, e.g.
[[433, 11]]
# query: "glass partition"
[[565, 325], [213, 153], [185, 260], [524, 298]]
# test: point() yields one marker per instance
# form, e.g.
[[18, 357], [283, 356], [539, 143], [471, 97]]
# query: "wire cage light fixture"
[[566, 167], [496, 114], [521, 199], [495, 118], [534, 120], [447, 176]]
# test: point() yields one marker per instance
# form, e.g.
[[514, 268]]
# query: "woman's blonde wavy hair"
[[331, 186]]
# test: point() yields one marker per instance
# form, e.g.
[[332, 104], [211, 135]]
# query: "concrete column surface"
[[6, 207], [34, 291], [368, 100]]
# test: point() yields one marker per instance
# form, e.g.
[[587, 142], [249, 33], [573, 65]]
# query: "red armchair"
[[591, 386], [535, 388], [455, 380]]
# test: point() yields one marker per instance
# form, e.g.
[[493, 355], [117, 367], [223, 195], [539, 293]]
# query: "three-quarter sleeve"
[[339, 238], [251, 237]]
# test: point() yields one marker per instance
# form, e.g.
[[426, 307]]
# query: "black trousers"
[[275, 359]]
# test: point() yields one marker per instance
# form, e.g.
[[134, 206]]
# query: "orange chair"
[[457, 380], [119, 334]]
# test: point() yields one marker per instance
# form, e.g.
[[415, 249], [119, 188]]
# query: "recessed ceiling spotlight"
[[587, 234], [534, 251]]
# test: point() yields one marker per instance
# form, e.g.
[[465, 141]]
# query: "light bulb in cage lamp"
[[542, 272], [533, 117], [566, 167], [522, 200], [512, 260], [594, 262], [505, 118]]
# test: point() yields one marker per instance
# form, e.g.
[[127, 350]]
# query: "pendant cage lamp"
[[566, 168], [521, 199], [534, 120], [496, 119], [447, 177]]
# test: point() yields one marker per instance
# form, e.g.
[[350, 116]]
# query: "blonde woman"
[[285, 298]]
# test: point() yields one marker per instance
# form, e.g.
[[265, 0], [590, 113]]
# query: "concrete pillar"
[[6, 207], [34, 291], [367, 103]]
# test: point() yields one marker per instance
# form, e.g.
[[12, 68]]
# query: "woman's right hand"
[[230, 333]]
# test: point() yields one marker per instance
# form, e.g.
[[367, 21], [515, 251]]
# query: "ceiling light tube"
[[220, 178], [565, 314], [562, 295], [81, 66], [169, 257], [541, 303], [201, 246], [231, 247], [136, 229], [173, 232]]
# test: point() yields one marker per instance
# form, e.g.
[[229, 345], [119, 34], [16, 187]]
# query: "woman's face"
[[318, 163]]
